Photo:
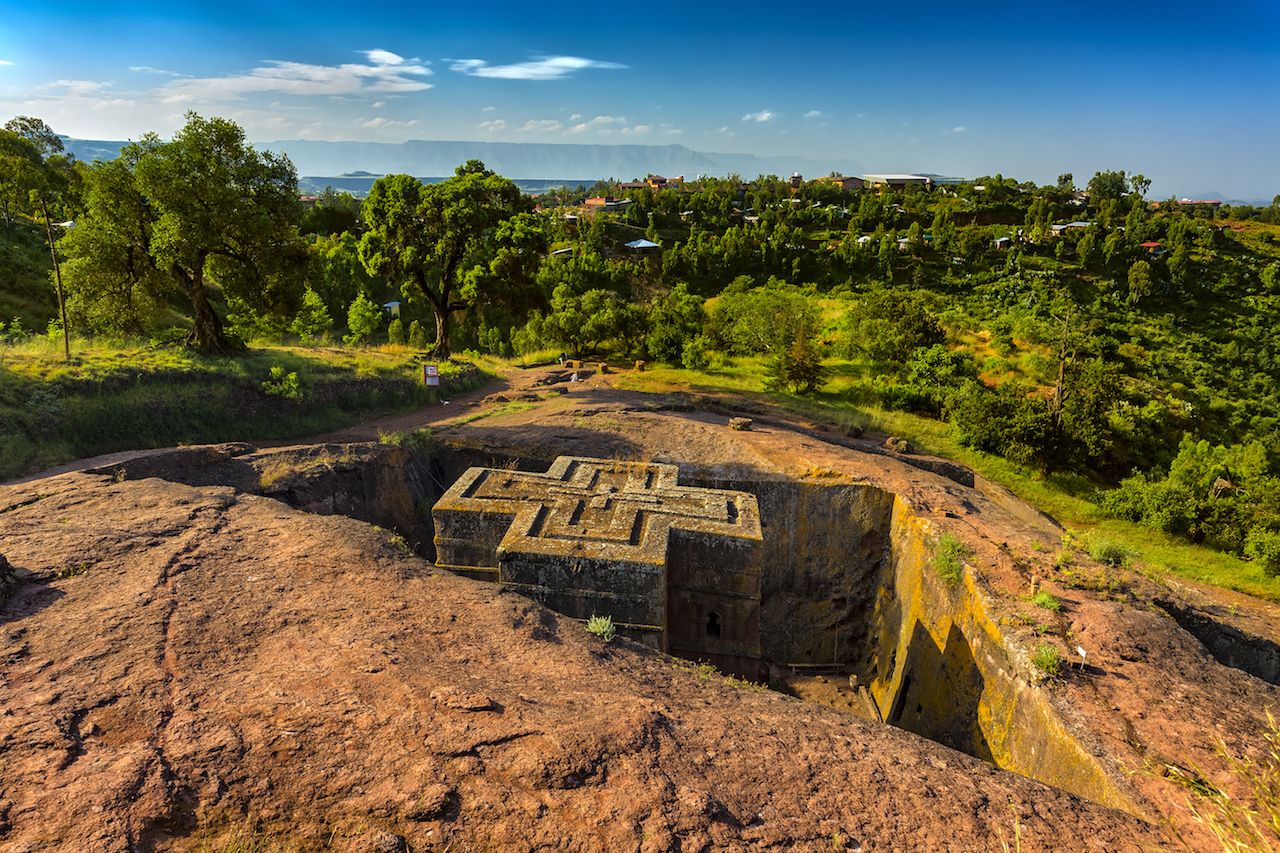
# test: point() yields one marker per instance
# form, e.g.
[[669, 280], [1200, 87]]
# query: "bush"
[[312, 321], [948, 558], [1005, 422], [417, 335], [395, 332], [891, 325], [363, 319], [694, 356], [1047, 600], [798, 367], [283, 384], [1263, 546], [602, 627], [1047, 659], [1108, 553]]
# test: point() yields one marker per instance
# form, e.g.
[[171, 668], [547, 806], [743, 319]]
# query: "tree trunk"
[[442, 332], [207, 335]]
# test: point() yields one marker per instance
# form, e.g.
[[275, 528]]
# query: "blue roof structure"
[[643, 244]]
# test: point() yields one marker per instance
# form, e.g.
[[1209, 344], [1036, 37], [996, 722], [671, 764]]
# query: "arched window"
[[713, 624]]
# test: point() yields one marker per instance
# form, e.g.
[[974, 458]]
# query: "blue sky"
[[1188, 94]]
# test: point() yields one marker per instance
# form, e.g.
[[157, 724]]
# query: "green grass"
[[109, 398], [1064, 496], [948, 558], [1047, 659], [602, 627], [1047, 600]]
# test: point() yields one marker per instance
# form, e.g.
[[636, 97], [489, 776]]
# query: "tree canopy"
[[440, 241]]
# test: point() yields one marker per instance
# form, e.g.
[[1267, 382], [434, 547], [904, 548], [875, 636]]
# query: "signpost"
[[431, 375]]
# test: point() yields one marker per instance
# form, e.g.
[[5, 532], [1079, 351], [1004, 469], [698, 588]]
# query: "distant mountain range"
[[529, 160]]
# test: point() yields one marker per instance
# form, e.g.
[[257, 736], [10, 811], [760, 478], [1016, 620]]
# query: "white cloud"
[[377, 105], [6, 62], [726, 131], [544, 68], [149, 69], [545, 125], [488, 109], [385, 57], [386, 72], [600, 123], [762, 116], [75, 88], [638, 130], [960, 129], [386, 122], [815, 114], [495, 124]]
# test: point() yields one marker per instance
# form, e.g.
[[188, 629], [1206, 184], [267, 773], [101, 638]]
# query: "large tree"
[[36, 177], [112, 279], [227, 214], [440, 241]]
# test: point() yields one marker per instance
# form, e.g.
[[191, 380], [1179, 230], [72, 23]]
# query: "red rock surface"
[[183, 662]]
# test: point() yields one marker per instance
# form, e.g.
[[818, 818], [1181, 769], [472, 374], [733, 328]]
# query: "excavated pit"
[[848, 598]]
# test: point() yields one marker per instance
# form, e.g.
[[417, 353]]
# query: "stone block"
[[614, 538]]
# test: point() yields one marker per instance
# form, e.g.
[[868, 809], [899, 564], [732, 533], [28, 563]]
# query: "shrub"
[[282, 384], [1047, 659], [948, 558], [1263, 546], [694, 356], [312, 321], [417, 335], [602, 627], [1047, 600], [395, 332], [1108, 552], [891, 325], [363, 319], [414, 441]]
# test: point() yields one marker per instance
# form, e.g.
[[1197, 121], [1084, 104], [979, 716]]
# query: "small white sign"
[[430, 374]]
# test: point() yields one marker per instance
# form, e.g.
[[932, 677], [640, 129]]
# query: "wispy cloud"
[[75, 88], [542, 68], [637, 130], [726, 131], [6, 62], [149, 69], [488, 109], [595, 123], [762, 116], [960, 129], [385, 72], [495, 124], [816, 114], [546, 125], [387, 122]]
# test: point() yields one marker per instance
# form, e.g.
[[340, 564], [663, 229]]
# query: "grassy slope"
[[1065, 497], [111, 399]]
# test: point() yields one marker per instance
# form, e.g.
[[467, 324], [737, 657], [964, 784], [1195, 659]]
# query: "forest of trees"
[[1137, 347]]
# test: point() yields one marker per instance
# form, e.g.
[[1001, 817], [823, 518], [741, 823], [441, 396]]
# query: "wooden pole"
[[57, 274]]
